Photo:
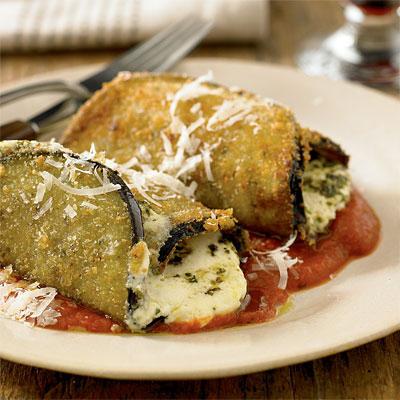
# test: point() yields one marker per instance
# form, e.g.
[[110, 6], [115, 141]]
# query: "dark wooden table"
[[371, 371]]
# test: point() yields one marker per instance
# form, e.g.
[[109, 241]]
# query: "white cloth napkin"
[[71, 24]]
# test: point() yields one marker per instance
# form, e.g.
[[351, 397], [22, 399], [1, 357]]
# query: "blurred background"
[[349, 39]]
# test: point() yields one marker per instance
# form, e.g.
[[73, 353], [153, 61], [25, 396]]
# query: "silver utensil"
[[157, 54], [74, 90]]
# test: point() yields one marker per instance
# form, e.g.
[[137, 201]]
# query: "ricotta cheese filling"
[[326, 190], [202, 279]]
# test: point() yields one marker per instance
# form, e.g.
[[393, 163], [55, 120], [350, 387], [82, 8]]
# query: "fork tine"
[[188, 43], [168, 50], [128, 60], [141, 50]]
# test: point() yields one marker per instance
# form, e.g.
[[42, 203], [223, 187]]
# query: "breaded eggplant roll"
[[242, 151], [73, 223]]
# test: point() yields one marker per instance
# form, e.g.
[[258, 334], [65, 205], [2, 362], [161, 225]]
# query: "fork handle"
[[75, 90], [18, 130]]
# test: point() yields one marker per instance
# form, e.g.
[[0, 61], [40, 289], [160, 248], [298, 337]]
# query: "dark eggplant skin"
[[326, 148], [238, 236], [309, 146], [178, 233], [133, 206], [315, 145], [124, 192], [127, 196], [295, 185], [156, 322]]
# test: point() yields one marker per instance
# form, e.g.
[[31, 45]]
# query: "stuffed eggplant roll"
[[72, 223], [243, 152]]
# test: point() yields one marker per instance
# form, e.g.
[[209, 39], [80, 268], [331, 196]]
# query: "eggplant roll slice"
[[72, 223], [73, 233], [252, 153], [250, 148]]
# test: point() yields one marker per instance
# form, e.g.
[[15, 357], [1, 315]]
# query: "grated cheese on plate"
[[277, 258], [26, 302], [245, 302]]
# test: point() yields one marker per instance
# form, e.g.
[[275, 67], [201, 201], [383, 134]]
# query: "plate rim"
[[209, 374]]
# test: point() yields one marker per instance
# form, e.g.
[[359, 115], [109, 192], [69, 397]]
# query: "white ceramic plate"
[[361, 304]]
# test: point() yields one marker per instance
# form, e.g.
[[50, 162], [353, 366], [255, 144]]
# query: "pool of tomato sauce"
[[354, 233]]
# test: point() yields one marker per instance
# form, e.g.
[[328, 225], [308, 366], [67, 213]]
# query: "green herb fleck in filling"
[[213, 248], [191, 278], [211, 291], [181, 251], [326, 190]]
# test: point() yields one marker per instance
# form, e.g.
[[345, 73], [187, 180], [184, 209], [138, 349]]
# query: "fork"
[[157, 54]]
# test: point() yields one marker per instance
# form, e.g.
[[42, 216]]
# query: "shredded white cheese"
[[131, 163], [54, 163], [154, 180], [228, 113], [192, 90], [189, 165], [167, 144], [110, 187], [252, 276], [70, 212], [89, 155], [97, 176], [106, 180], [207, 163], [179, 164], [206, 153], [277, 258], [91, 206], [181, 156], [82, 160], [144, 153], [26, 302], [23, 197], [40, 191], [46, 207], [48, 182], [48, 317], [263, 303], [245, 302], [195, 108]]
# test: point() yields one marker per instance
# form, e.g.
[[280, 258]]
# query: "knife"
[[157, 54]]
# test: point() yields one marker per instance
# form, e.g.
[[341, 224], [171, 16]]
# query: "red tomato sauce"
[[354, 233], [77, 317]]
